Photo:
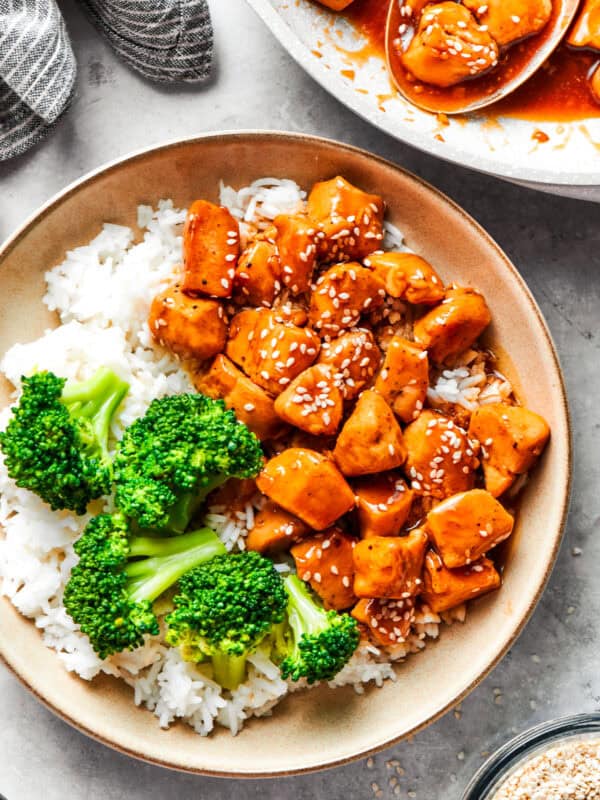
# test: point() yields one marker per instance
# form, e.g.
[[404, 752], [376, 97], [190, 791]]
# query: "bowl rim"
[[498, 168], [527, 743], [172, 144]]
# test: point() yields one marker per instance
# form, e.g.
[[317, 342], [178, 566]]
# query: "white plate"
[[568, 164]]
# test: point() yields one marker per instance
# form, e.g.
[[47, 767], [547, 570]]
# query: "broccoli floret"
[[171, 458], [56, 443], [112, 588], [320, 642], [223, 611]]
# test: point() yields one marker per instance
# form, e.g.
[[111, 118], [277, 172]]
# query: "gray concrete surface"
[[553, 669]]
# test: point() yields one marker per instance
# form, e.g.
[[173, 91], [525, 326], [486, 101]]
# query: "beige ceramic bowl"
[[322, 727]]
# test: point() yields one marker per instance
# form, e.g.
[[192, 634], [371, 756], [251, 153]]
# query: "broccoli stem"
[[188, 503], [304, 615], [96, 401], [166, 560], [229, 670]]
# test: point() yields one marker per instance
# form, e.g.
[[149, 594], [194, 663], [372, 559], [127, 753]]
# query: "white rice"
[[469, 388], [102, 293]]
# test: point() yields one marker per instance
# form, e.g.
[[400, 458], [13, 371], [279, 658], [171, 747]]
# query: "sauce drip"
[[558, 91]]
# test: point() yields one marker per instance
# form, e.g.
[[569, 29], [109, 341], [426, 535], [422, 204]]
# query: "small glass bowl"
[[490, 777]]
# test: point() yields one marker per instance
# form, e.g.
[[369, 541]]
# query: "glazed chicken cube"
[[335, 5], [404, 378], [326, 562], [341, 295], [449, 46], [413, 8], [371, 439], [354, 358], [308, 485], [296, 244], [312, 402], [274, 530], [211, 246], [383, 504], [388, 621], [467, 525], [189, 326], [452, 327], [512, 438], [256, 280], [445, 588], [387, 566], [586, 30], [441, 459], [251, 404], [509, 21], [270, 352], [350, 221], [407, 277]]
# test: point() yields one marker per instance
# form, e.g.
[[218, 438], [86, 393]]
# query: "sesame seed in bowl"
[[557, 760]]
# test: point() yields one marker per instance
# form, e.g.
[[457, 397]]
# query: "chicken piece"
[[404, 378], [256, 281], [191, 327], [335, 5], [233, 496], [408, 277], [350, 221], [585, 32], [452, 327], [390, 566], [449, 46], [354, 358], [274, 530], [445, 588], [509, 21], [413, 8], [341, 295], [512, 438], [251, 404], [296, 242], [326, 562], [441, 459], [312, 402], [271, 353], [371, 439], [211, 246], [388, 621], [465, 526], [308, 485], [383, 503]]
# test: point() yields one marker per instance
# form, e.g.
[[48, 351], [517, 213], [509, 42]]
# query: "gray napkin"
[[164, 40], [37, 72]]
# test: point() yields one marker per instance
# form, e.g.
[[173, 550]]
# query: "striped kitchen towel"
[[37, 72], [164, 40]]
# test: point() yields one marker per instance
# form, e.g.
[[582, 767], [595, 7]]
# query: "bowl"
[[322, 727], [343, 63], [529, 744]]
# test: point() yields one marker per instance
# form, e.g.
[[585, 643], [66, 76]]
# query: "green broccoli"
[[56, 442], [320, 642], [224, 609], [171, 458], [112, 588]]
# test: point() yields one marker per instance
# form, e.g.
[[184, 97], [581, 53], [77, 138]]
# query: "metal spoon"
[[488, 88]]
